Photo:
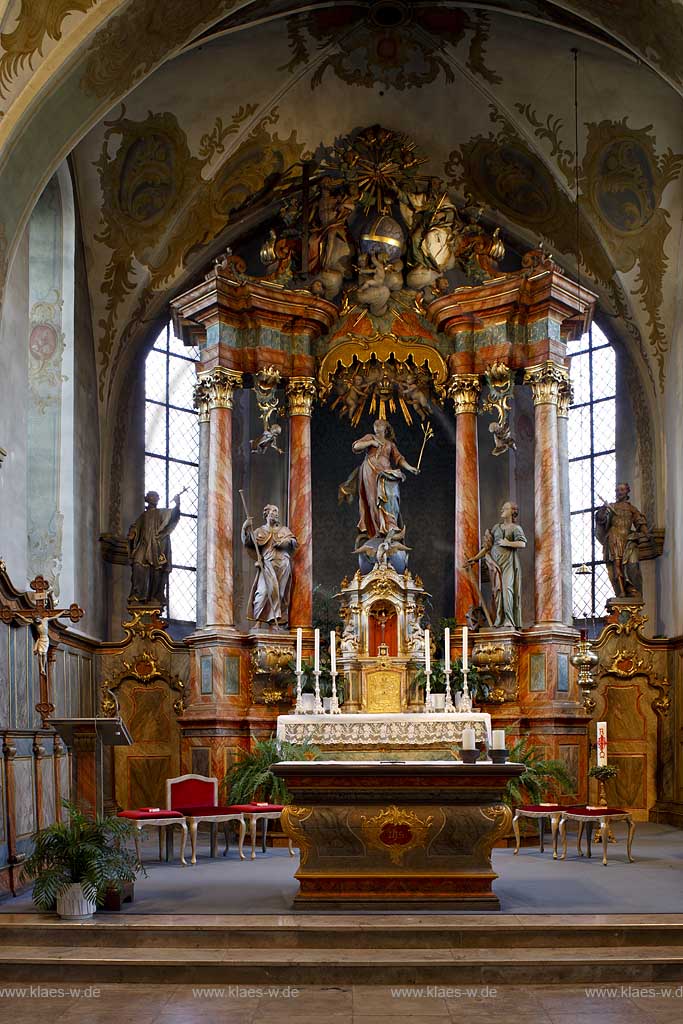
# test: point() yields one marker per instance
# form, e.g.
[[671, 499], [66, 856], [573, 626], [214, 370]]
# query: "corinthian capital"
[[301, 393], [464, 389], [545, 381], [220, 386]]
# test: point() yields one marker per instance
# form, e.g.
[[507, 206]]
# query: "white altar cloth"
[[377, 730]]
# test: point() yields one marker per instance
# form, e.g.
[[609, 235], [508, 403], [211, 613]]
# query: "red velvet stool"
[[158, 818], [540, 812], [264, 812], [588, 816], [196, 797]]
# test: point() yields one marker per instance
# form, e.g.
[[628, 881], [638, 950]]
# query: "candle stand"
[[428, 692], [334, 700], [465, 700], [450, 706], [499, 756], [318, 702], [299, 708]]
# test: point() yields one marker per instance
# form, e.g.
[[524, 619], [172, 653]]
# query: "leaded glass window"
[[592, 466], [172, 458]]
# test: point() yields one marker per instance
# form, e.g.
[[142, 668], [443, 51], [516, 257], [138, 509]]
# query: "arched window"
[[172, 458], [592, 466]]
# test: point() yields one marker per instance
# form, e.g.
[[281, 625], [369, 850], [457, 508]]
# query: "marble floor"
[[181, 1004], [529, 883]]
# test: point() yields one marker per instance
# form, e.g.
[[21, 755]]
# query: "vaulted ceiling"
[[181, 116]]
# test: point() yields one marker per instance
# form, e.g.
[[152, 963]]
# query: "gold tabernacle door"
[[383, 691]]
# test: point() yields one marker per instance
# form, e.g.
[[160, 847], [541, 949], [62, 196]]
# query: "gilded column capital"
[[220, 386], [565, 398], [464, 389], [201, 399], [301, 393], [545, 381]]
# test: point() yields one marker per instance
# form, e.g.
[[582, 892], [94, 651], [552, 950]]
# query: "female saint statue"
[[377, 481], [500, 551]]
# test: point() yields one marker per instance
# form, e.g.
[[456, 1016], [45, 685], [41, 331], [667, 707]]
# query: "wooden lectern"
[[85, 738]]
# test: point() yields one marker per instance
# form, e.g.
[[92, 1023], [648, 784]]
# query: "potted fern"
[[252, 777], [74, 862], [539, 775]]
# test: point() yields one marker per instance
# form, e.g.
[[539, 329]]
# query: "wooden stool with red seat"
[[160, 819], [264, 812], [540, 812], [589, 816]]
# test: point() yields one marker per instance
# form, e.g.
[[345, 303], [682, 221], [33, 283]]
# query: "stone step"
[[411, 966], [340, 931]]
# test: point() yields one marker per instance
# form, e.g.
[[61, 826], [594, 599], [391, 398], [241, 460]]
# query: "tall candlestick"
[[316, 651], [333, 651], [602, 743], [299, 641], [447, 649], [427, 652], [464, 648]]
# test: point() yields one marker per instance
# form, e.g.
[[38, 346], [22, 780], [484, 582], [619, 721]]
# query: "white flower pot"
[[73, 906], [308, 702], [438, 701]]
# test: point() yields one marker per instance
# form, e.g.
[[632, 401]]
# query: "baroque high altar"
[[376, 344]]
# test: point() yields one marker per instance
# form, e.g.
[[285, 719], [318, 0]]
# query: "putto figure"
[[273, 546], [501, 553], [619, 525], [149, 550]]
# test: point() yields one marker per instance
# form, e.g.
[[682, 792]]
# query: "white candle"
[[316, 651], [468, 739], [299, 640], [498, 739], [464, 648], [333, 651], [427, 661], [602, 743], [447, 649]]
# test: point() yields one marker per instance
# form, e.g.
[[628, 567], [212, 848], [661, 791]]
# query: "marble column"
[[565, 398], [545, 381], [301, 393], [201, 399], [221, 384], [464, 390]]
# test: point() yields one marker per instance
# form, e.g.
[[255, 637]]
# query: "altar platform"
[[407, 736]]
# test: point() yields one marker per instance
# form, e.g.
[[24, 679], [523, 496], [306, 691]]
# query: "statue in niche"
[[273, 545], [149, 551], [376, 481], [500, 551], [265, 389], [619, 526]]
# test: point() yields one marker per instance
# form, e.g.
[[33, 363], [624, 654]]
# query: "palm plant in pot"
[[74, 862], [540, 775], [252, 777]]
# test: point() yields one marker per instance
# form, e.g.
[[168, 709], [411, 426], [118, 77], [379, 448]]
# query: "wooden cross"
[[40, 616]]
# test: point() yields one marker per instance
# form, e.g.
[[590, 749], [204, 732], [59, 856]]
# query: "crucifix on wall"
[[39, 617]]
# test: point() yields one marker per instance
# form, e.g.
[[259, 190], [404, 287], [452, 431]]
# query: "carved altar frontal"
[[408, 737], [401, 834]]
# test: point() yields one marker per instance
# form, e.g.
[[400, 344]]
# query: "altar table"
[[401, 834], [409, 736]]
